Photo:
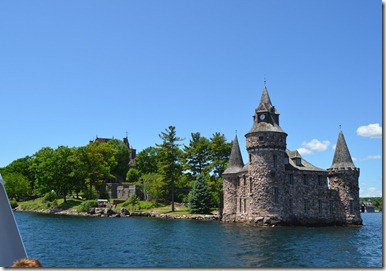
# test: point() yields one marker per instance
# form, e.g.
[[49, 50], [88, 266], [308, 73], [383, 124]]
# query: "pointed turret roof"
[[342, 157], [235, 160], [271, 124], [265, 103]]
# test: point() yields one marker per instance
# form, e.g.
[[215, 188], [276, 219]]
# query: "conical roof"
[[265, 104], [235, 160], [272, 116], [342, 157]]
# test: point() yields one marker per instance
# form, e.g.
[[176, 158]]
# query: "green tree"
[[147, 160], [99, 159], [17, 186], [79, 170], [42, 166], [154, 186], [132, 175], [64, 170], [197, 155], [220, 151], [170, 158], [21, 166], [200, 199], [122, 158]]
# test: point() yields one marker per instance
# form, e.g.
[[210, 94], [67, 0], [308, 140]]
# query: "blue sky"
[[74, 70]]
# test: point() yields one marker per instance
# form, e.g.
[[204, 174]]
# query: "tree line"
[[166, 172]]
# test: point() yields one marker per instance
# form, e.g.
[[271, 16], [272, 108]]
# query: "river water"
[[69, 241]]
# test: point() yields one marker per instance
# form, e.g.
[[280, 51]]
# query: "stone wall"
[[345, 182]]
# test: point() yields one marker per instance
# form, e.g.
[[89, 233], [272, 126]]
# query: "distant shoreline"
[[72, 212]]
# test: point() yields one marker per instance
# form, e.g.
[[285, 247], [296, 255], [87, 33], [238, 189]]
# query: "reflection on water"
[[147, 242]]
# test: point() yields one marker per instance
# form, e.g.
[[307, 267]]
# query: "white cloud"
[[304, 151], [316, 145], [373, 192], [372, 130]]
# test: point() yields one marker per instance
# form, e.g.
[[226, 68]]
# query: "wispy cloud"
[[373, 192], [373, 130], [369, 157]]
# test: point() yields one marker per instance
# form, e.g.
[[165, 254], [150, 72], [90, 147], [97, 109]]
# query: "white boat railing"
[[11, 244]]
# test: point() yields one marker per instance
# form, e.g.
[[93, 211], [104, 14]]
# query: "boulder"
[[125, 212]]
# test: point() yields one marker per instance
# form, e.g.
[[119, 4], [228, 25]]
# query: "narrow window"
[[261, 138], [306, 206], [290, 179], [320, 182], [305, 180], [250, 157], [320, 206], [276, 194], [274, 160], [351, 207], [331, 207], [290, 205], [245, 182], [245, 205], [240, 206], [250, 184]]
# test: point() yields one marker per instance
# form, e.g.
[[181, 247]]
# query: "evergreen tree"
[[170, 157], [200, 199]]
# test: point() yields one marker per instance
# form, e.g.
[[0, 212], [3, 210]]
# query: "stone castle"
[[279, 187]]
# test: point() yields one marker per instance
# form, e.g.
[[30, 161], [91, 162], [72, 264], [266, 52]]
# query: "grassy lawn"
[[39, 204]]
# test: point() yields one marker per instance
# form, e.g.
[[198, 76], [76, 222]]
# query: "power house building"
[[279, 187]]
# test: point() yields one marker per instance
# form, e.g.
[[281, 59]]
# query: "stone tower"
[[344, 177], [266, 146]]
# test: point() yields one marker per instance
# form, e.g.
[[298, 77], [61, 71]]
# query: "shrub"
[[52, 204], [13, 203], [144, 205], [86, 205], [132, 203], [50, 197]]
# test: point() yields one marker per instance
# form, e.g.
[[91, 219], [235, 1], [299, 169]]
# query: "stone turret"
[[344, 176], [266, 146], [230, 184]]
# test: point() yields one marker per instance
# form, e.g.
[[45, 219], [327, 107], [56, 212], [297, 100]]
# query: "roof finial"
[[236, 132], [265, 81], [340, 127]]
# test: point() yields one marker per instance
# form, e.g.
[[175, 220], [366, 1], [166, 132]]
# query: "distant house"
[[123, 191], [367, 207]]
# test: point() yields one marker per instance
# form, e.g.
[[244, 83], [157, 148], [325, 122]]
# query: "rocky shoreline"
[[72, 212]]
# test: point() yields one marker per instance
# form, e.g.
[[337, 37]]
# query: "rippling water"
[[66, 241]]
